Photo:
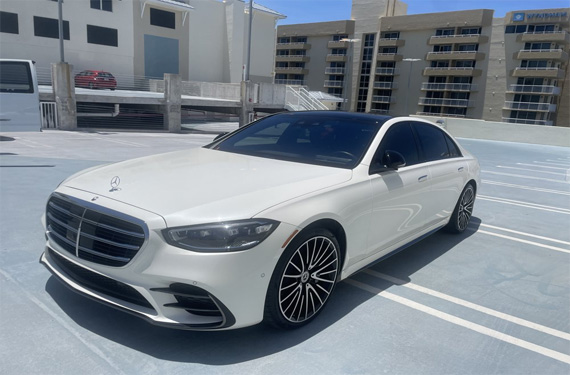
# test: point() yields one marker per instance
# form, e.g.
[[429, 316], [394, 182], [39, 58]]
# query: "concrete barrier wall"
[[230, 91], [271, 94], [501, 131]]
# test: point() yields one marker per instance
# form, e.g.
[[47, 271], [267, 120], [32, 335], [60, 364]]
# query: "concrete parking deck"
[[495, 300]]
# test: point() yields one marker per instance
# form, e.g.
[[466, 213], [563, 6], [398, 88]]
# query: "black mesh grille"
[[99, 283], [102, 238]]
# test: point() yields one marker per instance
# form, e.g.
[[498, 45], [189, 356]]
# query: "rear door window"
[[432, 142]]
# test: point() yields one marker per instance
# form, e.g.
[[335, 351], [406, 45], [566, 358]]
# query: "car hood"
[[203, 185]]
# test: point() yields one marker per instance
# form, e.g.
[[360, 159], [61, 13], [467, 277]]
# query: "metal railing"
[[292, 82], [546, 32], [382, 99], [450, 52], [336, 55], [48, 112], [331, 83], [450, 68], [542, 50], [293, 44], [445, 102], [290, 68], [440, 114], [530, 106], [387, 71], [449, 86], [332, 70], [456, 36], [379, 111], [385, 85], [535, 89], [536, 68], [299, 99], [527, 121]]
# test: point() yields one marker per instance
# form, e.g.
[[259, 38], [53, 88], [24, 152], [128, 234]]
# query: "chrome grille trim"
[[92, 232]]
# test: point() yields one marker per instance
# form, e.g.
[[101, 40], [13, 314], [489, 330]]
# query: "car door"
[[399, 196], [446, 168]]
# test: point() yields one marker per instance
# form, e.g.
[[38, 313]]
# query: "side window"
[[453, 149], [432, 141], [398, 138]]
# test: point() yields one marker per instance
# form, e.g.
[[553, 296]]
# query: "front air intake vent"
[[92, 235]]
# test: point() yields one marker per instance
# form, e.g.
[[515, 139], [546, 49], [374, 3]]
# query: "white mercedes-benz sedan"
[[261, 223]]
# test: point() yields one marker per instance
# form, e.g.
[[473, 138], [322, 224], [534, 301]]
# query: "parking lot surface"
[[495, 300]]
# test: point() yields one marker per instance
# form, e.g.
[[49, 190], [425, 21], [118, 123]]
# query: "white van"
[[19, 96]]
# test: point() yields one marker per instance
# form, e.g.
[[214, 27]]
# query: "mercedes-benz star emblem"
[[115, 182]]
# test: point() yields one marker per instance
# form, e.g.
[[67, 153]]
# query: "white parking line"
[[549, 163], [473, 306], [520, 240], [527, 177], [541, 166], [525, 204], [525, 234], [462, 322], [550, 191], [531, 170], [558, 161]]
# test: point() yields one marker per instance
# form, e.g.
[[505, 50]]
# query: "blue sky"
[[303, 11]]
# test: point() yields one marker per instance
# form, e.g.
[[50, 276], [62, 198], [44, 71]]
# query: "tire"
[[463, 210], [299, 289]]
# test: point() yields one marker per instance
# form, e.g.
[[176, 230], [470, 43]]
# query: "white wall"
[[263, 40], [118, 60]]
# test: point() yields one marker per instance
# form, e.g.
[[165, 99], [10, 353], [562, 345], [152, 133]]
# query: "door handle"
[[422, 178], [460, 169]]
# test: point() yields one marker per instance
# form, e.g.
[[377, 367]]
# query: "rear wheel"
[[463, 210], [303, 280]]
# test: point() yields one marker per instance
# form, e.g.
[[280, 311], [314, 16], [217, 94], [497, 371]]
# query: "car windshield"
[[335, 140]]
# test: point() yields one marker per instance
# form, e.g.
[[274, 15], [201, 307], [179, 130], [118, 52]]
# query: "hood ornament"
[[115, 182]]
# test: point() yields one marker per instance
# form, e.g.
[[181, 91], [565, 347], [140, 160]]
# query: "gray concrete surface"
[[492, 301]]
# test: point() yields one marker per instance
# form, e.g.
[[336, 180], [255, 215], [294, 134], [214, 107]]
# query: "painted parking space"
[[491, 301]]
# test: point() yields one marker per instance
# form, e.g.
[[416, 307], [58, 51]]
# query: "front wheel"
[[303, 280], [463, 210]]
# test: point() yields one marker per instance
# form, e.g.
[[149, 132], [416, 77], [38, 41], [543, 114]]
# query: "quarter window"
[[399, 138], [432, 141]]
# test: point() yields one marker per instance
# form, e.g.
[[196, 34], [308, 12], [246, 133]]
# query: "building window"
[[468, 47], [471, 31], [338, 38], [102, 35], [391, 35], [9, 23], [441, 32], [102, 5], [162, 18], [49, 28]]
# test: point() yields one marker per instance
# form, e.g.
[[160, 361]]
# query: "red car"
[[95, 79]]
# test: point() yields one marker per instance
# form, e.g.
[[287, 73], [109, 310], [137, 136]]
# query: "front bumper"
[[174, 287]]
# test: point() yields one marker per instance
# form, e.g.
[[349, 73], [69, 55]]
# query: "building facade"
[[451, 64], [202, 40]]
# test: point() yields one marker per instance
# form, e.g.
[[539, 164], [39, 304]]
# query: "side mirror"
[[219, 136], [393, 160]]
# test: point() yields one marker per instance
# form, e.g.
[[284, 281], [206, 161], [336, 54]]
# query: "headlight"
[[221, 237]]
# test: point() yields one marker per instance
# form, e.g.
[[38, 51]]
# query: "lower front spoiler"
[[60, 275]]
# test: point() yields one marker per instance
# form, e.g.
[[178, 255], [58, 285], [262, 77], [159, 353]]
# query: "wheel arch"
[[336, 229]]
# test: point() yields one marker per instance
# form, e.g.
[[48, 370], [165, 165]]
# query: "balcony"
[[331, 70], [377, 111], [530, 106], [292, 58], [386, 85], [291, 70], [337, 44], [542, 54], [336, 57], [534, 89], [538, 72], [466, 87], [545, 36], [387, 71], [461, 38], [293, 45], [455, 55], [389, 57], [382, 99], [527, 121], [291, 82], [445, 102], [390, 42], [452, 71], [329, 83], [439, 114]]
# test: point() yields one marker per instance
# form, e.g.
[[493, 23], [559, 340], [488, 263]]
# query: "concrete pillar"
[[246, 102], [173, 102], [64, 92]]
